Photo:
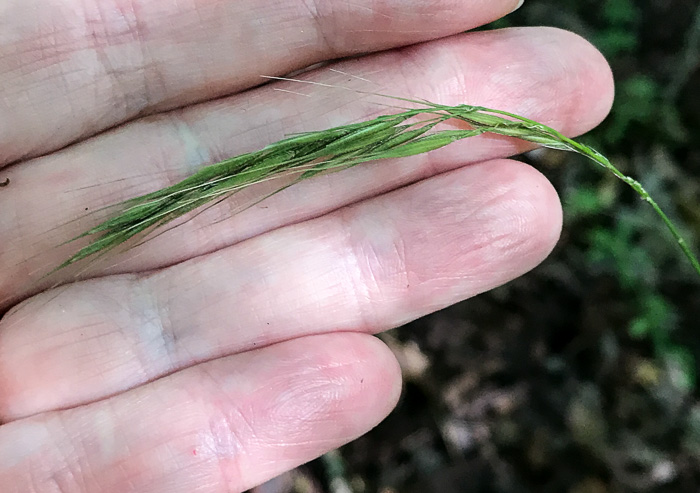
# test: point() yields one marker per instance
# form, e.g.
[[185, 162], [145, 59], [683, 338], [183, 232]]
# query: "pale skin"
[[234, 348]]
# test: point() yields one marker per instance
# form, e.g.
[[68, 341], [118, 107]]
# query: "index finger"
[[71, 69]]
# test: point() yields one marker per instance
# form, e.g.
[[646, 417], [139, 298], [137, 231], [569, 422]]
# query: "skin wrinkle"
[[371, 274], [383, 255], [416, 61], [196, 154], [167, 128], [64, 477], [37, 485], [159, 340], [314, 393], [93, 354], [131, 320], [497, 241], [101, 43], [226, 422], [17, 224], [188, 346], [27, 442], [130, 30], [370, 10], [41, 50], [226, 425], [122, 448], [353, 272], [525, 243], [75, 52], [570, 98], [312, 7], [184, 345], [104, 353], [131, 461], [406, 276]]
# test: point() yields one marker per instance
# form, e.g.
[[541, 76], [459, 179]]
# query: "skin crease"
[[233, 348]]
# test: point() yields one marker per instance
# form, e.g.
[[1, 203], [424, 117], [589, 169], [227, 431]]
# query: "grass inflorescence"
[[301, 156]]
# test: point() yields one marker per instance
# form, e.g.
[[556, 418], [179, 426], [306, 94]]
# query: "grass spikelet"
[[407, 133]]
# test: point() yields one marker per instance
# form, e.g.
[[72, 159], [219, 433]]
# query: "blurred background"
[[581, 376]]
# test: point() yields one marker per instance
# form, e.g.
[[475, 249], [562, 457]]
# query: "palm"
[[232, 348]]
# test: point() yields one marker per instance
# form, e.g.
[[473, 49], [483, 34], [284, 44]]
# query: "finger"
[[226, 425], [70, 69], [367, 267], [546, 74]]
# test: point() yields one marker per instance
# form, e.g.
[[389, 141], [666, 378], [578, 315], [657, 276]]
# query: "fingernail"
[[520, 4]]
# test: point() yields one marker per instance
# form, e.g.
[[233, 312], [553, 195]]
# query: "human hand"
[[233, 348]]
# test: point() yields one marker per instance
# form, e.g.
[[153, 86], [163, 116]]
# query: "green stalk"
[[600, 159], [304, 155]]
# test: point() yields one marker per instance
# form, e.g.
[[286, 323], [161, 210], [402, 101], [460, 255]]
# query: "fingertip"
[[548, 74], [547, 217], [521, 212], [371, 373], [595, 90], [389, 374], [587, 97], [323, 392]]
